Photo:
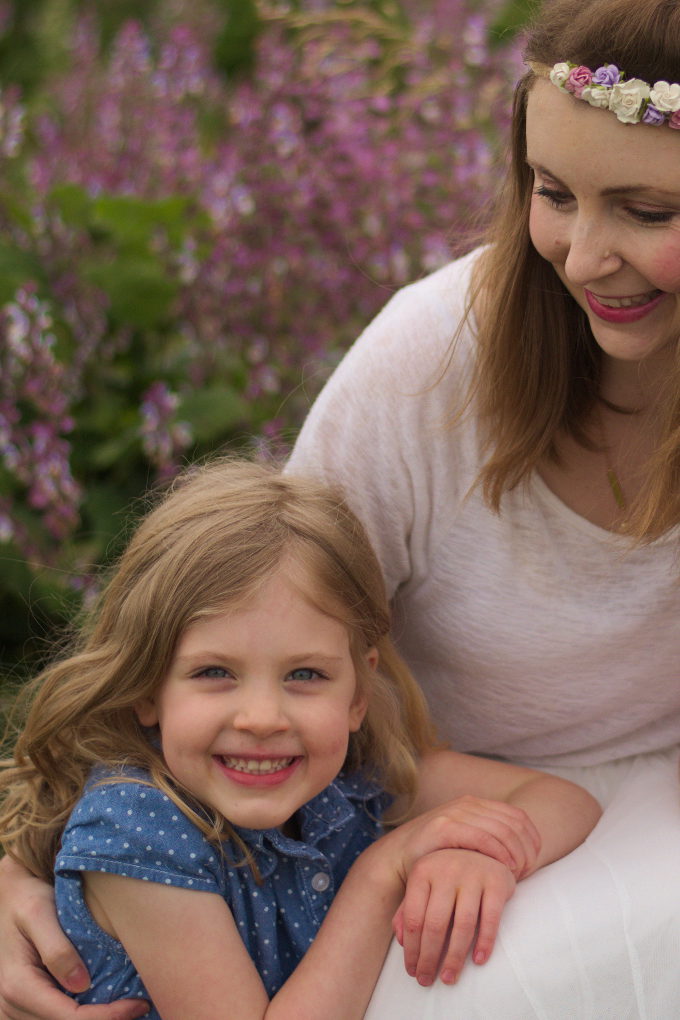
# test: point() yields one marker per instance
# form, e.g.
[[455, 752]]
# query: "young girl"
[[224, 745]]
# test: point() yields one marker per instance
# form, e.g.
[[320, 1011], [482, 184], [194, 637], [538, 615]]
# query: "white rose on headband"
[[666, 97], [559, 74], [596, 96], [626, 99]]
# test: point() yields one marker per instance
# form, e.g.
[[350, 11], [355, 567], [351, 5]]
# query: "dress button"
[[320, 882]]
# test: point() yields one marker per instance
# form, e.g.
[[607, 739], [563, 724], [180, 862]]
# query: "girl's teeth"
[[257, 766]]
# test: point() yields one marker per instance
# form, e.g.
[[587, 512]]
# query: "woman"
[[522, 489]]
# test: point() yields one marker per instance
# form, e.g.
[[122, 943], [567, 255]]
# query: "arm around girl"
[[252, 794]]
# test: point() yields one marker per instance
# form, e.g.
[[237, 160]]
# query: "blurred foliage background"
[[201, 204]]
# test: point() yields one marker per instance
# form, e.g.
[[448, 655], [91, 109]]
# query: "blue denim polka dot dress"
[[129, 827]]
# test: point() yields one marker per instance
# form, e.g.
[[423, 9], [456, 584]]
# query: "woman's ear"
[[146, 712]]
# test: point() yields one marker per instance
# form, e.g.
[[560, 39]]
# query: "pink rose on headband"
[[607, 75], [626, 99], [674, 120], [578, 78]]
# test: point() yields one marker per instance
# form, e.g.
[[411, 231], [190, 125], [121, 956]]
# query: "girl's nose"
[[260, 712], [592, 253]]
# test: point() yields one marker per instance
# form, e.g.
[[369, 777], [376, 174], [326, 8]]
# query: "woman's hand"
[[31, 941], [449, 895], [492, 827]]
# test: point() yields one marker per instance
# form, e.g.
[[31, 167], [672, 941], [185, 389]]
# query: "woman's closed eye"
[[556, 199], [652, 215]]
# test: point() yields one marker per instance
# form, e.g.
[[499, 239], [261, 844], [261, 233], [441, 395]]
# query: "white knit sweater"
[[535, 634]]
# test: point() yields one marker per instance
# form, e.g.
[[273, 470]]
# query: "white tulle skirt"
[[595, 936]]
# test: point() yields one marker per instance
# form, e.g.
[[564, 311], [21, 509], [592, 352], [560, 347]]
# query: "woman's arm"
[[31, 941], [191, 958], [561, 813]]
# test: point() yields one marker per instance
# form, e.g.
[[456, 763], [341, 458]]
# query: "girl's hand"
[[449, 893], [491, 827], [31, 940]]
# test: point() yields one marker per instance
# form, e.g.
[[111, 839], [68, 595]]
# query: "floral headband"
[[633, 101]]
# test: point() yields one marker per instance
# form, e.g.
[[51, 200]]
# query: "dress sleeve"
[[377, 428], [135, 830]]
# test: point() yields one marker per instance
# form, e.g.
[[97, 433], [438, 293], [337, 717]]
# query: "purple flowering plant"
[[187, 253]]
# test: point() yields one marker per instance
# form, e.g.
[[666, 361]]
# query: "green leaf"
[[212, 412], [510, 20], [132, 222], [72, 203], [114, 450], [235, 44], [139, 290], [17, 267]]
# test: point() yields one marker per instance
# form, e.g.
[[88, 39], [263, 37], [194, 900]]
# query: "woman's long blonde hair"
[[219, 532], [538, 372]]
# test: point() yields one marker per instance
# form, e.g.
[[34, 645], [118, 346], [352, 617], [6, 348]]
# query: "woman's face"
[[605, 212]]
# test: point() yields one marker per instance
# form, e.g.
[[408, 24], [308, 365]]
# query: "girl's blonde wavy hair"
[[214, 537], [538, 371]]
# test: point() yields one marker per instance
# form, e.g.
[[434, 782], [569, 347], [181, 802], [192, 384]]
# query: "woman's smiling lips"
[[257, 770], [623, 309]]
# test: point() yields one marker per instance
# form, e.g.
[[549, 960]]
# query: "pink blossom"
[[577, 80]]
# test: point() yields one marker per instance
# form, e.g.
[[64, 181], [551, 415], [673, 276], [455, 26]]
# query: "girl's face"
[[606, 213], [258, 704]]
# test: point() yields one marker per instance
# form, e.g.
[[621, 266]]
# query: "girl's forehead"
[[587, 147]]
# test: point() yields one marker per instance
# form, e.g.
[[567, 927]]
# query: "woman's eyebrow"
[[618, 189]]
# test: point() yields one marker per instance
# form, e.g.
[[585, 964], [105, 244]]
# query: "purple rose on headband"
[[578, 78], [608, 75], [653, 116]]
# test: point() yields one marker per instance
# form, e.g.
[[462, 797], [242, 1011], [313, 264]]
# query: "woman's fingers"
[[48, 1003], [493, 828]]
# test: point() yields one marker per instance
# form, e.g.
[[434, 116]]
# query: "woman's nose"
[[592, 253]]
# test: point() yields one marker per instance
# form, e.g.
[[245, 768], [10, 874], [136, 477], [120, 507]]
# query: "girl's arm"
[[190, 956], [31, 939]]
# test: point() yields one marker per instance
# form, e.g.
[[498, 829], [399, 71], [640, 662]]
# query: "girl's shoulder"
[[126, 825]]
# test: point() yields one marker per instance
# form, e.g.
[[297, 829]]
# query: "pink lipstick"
[[626, 313]]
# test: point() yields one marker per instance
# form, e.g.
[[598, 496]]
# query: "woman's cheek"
[[543, 231], [666, 264]]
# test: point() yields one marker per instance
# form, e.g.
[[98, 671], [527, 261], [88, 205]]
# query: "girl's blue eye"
[[212, 672], [304, 674]]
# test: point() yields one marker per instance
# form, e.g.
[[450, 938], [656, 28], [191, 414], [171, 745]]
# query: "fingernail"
[[448, 977], [78, 980]]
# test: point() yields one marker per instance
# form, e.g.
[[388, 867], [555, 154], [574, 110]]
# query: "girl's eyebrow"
[[619, 189], [203, 655]]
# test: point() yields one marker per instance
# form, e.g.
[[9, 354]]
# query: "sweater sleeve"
[[377, 427]]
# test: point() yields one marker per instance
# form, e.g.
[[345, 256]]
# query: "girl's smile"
[[258, 704]]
